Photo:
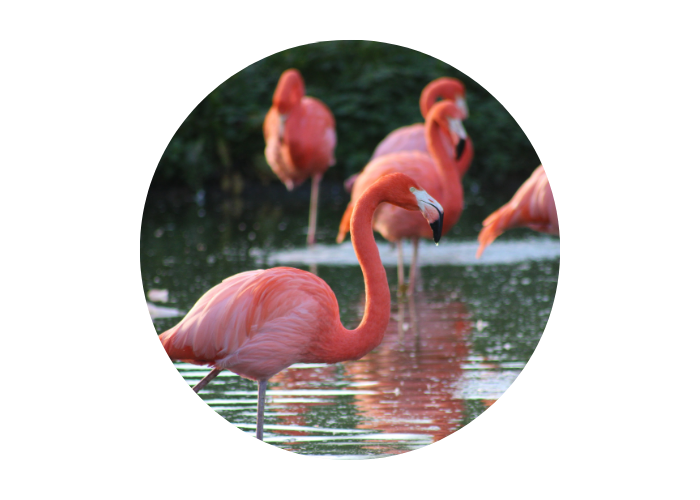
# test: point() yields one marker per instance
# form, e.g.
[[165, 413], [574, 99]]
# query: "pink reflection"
[[416, 369], [413, 374]]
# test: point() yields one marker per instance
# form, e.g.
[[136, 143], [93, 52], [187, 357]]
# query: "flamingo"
[[412, 137], [299, 139], [532, 206], [437, 172], [257, 323]]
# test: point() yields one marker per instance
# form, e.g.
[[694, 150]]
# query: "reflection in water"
[[416, 368], [290, 411], [408, 388]]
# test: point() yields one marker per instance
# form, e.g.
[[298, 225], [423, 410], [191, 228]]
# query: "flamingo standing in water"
[[532, 206], [258, 323], [437, 172], [412, 137], [299, 139]]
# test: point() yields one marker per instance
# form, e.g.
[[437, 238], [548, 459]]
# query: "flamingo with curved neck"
[[437, 172], [299, 139], [412, 137], [258, 323]]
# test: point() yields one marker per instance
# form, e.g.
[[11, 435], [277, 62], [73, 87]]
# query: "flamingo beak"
[[457, 130], [459, 150], [431, 210], [461, 103], [437, 227]]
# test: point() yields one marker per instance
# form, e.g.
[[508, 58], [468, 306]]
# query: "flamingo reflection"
[[408, 385]]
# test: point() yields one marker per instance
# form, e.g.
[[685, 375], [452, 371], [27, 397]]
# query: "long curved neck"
[[445, 87], [428, 97], [353, 344], [449, 172]]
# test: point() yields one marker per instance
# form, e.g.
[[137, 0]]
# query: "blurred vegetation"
[[371, 88]]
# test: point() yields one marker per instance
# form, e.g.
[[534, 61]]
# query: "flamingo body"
[[437, 172], [300, 139], [532, 206], [307, 143], [258, 323]]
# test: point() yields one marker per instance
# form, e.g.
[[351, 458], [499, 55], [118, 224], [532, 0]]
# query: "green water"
[[448, 353]]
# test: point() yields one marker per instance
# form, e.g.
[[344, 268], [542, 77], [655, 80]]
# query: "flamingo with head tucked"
[[299, 139], [258, 323], [532, 206], [437, 172]]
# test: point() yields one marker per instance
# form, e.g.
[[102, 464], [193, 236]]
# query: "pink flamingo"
[[258, 323], [299, 139], [532, 206], [437, 172], [412, 137]]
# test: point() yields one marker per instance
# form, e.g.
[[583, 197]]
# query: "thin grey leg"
[[313, 210], [412, 277], [262, 387], [210, 376]]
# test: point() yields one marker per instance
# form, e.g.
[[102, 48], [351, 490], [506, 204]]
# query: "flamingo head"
[[448, 117], [290, 89], [402, 191], [431, 210], [461, 102], [445, 88], [457, 132]]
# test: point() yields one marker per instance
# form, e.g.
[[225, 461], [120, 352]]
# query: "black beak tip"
[[437, 229], [461, 145]]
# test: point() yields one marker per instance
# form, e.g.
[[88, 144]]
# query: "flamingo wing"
[[310, 134], [408, 138], [255, 323], [276, 152]]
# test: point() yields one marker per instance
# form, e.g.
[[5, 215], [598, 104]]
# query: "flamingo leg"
[[315, 182], [399, 257], [262, 387], [210, 376], [399, 320], [414, 268]]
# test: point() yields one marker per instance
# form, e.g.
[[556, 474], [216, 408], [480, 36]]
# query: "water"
[[449, 353]]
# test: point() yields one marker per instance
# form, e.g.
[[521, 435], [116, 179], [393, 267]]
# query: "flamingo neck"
[[353, 344], [445, 87], [449, 172]]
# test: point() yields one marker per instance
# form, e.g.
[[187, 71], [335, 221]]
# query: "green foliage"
[[371, 88]]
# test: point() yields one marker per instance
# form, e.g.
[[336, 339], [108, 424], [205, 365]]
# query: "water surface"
[[449, 352]]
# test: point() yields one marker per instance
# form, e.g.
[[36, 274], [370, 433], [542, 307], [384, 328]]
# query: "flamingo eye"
[[412, 189]]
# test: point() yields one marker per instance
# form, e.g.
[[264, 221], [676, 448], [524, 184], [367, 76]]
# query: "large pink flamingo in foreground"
[[532, 206], [437, 172], [299, 139], [412, 137], [258, 323]]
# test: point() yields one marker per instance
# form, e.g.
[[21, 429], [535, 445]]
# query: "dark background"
[[371, 88]]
